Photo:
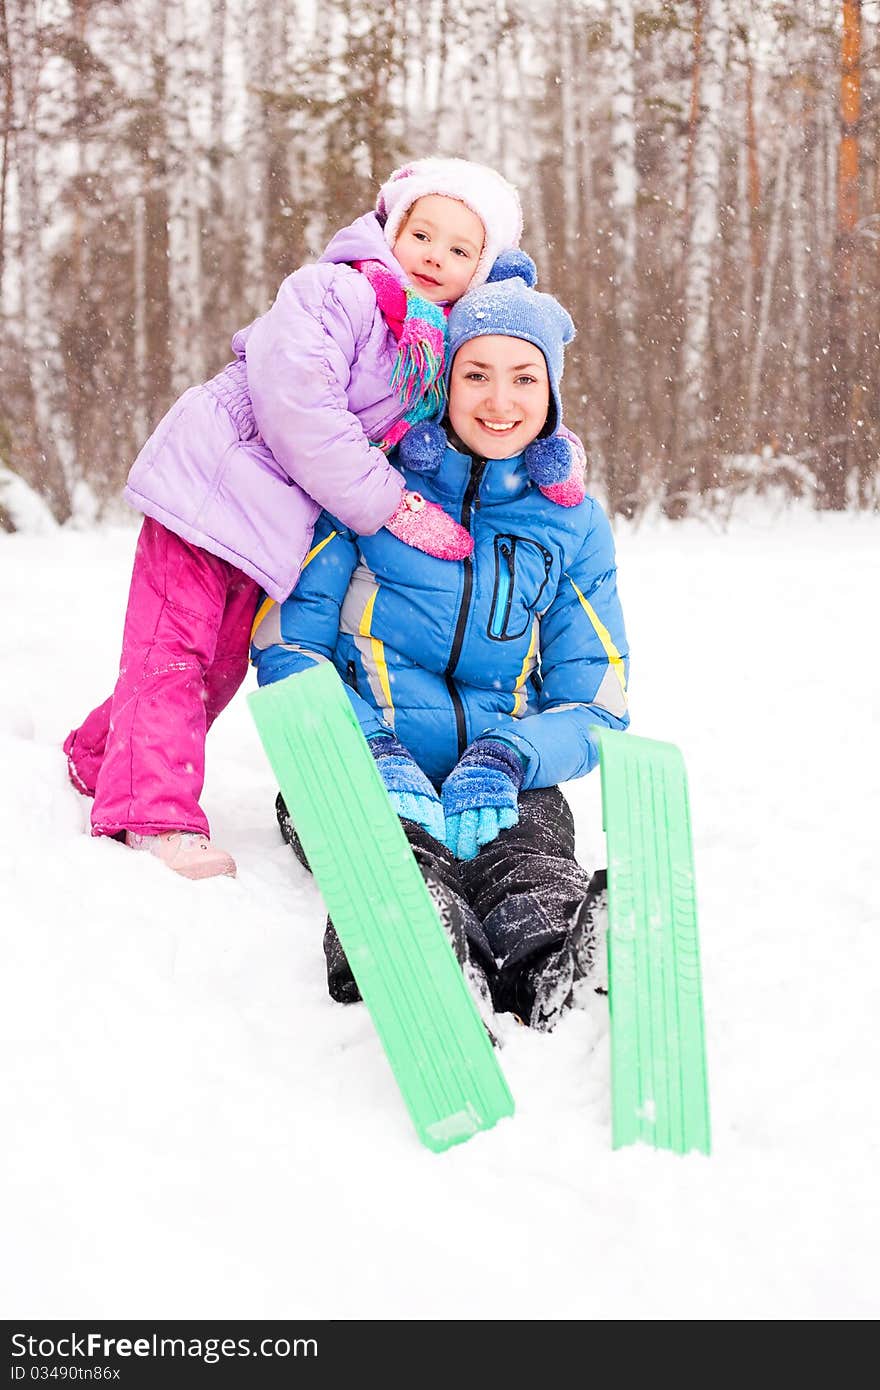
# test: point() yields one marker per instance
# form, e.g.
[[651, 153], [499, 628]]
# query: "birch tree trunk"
[[444, 40], [774, 240], [220, 283], [6, 64], [798, 377], [808, 272], [821, 167], [753, 167], [826, 183], [584, 161], [838, 441], [415, 95], [527, 168], [217, 156], [184, 251], [691, 465], [622, 454], [254, 159], [139, 346], [570, 170], [59, 476], [747, 285], [306, 145], [480, 133], [749, 194], [380, 123], [694, 108]]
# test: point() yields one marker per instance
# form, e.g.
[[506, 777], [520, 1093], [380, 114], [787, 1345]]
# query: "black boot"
[[288, 831], [543, 989], [588, 929], [451, 912], [341, 984], [467, 941]]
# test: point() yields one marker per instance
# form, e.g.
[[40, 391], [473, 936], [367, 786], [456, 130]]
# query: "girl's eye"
[[420, 236], [460, 251]]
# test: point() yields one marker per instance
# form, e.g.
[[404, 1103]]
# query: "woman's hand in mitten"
[[480, 795], [425, 526], [412, 795]]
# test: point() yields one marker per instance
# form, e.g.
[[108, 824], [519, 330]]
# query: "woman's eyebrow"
[[488, 366]]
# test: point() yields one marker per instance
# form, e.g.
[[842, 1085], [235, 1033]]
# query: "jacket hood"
[[363, 240]]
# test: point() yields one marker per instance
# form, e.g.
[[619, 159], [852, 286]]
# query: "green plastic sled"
[[406, 970], [659, 1086]]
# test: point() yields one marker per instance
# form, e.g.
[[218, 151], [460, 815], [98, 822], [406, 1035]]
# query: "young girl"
[[351, 354], [478, 684]]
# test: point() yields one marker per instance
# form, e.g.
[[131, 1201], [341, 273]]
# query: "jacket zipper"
[[504, 592], [470, 501]]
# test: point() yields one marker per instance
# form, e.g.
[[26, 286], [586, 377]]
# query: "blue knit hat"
[[507, 306], [511, 309]]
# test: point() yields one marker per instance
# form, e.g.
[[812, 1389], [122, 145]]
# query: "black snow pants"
[[513, 904]]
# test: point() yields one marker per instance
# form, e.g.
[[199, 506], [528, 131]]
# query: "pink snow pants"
[[184, 654]]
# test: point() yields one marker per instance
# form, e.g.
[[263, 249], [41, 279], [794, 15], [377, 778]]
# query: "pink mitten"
[[425, 526]]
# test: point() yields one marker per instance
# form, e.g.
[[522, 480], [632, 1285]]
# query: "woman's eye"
[[526, 380], [474, 376]]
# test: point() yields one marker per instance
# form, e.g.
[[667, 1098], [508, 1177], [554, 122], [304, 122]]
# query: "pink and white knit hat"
[[485, 192]]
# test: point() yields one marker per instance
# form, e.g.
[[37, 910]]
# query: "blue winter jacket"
[[525, 639]]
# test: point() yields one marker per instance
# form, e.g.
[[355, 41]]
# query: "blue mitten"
[[480, 795], [412, 795]]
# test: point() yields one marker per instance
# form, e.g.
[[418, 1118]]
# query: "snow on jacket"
[[525, 639], [242, 465]]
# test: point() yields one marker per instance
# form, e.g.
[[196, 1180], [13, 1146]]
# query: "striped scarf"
[[420, 329]]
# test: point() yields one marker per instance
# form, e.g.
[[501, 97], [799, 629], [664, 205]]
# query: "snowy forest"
[[701, 183]]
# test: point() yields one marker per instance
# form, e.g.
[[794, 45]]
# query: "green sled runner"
[[428, 1023]]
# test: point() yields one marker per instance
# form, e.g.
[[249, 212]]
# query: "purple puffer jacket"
[[242, 465]]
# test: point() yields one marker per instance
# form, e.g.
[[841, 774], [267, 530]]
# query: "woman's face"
[[499, 395]]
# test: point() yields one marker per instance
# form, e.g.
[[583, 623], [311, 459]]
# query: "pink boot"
[[187, 853]]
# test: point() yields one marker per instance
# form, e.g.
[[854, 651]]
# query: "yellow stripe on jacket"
[[614, 657], [267, 603], [520, 699], [378, 649]]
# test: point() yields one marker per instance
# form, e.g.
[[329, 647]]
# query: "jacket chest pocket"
[[522, 570]]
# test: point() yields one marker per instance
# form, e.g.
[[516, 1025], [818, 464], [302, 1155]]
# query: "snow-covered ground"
[[193, 1129]]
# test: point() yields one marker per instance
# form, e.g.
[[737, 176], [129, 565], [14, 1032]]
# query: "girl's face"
[[439, 246], [499, 395]]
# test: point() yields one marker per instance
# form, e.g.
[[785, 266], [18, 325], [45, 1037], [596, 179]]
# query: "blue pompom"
[[422, 447], [548, 461], [513, 263]]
